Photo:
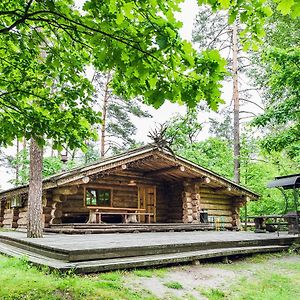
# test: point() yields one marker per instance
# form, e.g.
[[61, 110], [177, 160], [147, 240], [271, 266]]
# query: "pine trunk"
[[18, 162], [35, 206], [236, 104], [104, 113]]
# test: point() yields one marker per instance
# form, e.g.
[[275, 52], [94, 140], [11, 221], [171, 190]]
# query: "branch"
[[19, 21], [248, 112], [250, 101]]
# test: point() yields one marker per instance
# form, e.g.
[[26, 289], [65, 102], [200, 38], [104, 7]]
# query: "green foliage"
[[45, 47], [91, 154], [183, 130], [253, 15], [20, 280], [257, 169], [214, 294], [279, 64], [174, 285], [149, 273], [51, 166], [213, 153]]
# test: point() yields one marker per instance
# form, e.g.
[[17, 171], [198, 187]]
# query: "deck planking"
[[93, 253]]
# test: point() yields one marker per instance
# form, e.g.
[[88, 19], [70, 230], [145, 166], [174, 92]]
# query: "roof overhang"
[[193, 171], [286, 182]]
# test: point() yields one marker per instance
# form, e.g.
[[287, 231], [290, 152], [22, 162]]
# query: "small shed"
[[289, 182], [145, 185]]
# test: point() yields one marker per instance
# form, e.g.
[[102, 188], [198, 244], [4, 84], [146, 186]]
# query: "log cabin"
[[145, 185]]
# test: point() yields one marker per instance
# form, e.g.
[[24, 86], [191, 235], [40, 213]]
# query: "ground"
[[273, 276]]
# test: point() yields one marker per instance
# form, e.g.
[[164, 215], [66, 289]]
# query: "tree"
[[213, 31], [117, 129], [277, 74], [213, 153], [183, 130], [45, 47]]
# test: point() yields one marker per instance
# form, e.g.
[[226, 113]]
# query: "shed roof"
[[150, 159], [286, 182]]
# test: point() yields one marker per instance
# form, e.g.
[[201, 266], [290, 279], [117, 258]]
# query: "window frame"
[[99, 191]]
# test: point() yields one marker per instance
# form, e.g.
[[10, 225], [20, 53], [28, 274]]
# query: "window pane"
[[97, 197]]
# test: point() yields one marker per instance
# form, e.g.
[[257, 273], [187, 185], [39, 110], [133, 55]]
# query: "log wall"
[[22, 218], [10, 218], [125, 197], [221, 208]]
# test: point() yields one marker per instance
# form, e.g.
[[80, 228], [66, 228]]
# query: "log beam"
[[68, 190], [164, 170]]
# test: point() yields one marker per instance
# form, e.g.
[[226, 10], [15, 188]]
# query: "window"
[[95, 197]]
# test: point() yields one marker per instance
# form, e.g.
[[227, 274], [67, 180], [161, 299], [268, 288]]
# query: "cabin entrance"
[[147, 201]]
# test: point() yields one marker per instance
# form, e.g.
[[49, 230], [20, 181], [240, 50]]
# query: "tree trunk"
[[35, 206], [236, 104], [18, 162], [104, 113]]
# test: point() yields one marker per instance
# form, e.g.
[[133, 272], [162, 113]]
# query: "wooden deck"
[[84, 228], [102, 252]]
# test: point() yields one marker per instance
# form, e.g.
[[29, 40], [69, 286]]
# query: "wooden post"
[[56, 212]]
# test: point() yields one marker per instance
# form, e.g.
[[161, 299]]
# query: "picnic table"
[[129, 215]]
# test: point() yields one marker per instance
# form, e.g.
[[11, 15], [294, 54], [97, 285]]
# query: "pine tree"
[[117, 129], [212, 31]]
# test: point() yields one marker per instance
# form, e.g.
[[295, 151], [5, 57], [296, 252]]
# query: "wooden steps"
[[125, 228], [95, 253], [136, 261]]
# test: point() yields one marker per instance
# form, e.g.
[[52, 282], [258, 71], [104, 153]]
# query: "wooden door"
[[147, 201]]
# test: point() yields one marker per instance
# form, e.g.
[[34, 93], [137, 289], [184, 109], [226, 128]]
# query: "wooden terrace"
[[102, 252]]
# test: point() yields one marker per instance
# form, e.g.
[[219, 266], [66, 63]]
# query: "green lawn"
[[19, 280], [261, 277]]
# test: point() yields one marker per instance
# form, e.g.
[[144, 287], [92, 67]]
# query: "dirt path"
[[187, 282]]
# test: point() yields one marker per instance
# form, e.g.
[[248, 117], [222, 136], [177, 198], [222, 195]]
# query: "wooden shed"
[[145, 185]]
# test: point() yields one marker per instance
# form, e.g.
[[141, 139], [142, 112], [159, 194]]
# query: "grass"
[[213, 294], [261, 277], [20, 280], [270, 279], [148, 273], [173, 285]]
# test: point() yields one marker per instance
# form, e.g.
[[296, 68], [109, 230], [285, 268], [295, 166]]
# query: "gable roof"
[[193, 171]]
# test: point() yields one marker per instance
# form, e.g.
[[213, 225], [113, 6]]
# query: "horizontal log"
[[211, 201], [76, 210], [23, 214], [22, 221], [216, 206], [187, 205], [196, 196], [219, 212], [215, 196], [66, 190], [187, 219]]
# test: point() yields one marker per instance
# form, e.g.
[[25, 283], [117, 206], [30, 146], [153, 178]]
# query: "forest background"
[[268, 115]]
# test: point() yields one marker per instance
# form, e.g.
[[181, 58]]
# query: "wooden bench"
[[96, 213]]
